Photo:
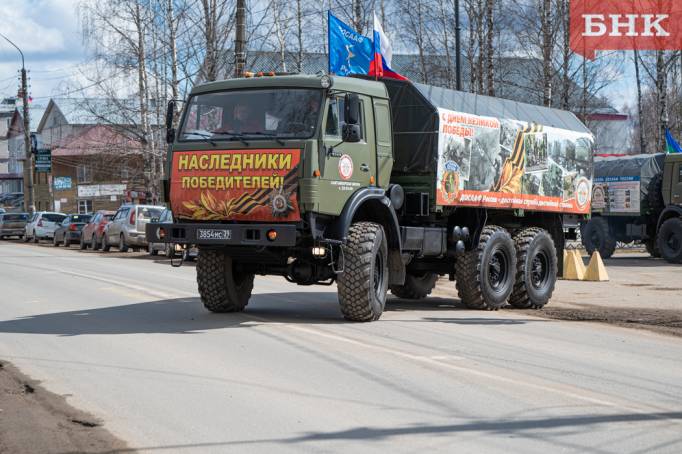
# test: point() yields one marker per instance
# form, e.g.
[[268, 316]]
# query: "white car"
[[42, 225]]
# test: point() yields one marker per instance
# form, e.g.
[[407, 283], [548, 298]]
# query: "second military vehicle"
[[637, 198], [374, 185]]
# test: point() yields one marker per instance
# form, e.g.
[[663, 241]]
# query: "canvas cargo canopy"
[[490, 152], [622, 184], [415, 119]]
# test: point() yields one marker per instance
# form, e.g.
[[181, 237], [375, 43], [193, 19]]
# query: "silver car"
[[42, 225], [127, 229]]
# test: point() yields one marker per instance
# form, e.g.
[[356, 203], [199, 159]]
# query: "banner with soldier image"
[[502, 163]]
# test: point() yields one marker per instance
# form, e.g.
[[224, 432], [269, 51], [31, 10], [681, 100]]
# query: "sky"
[[49, 34]]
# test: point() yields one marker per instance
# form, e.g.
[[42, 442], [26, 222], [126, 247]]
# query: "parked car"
[[127, 229], [13, 224], [170, 250], [91, 235], [42, 225], [69, 231]]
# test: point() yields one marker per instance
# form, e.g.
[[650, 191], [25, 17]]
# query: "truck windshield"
[[253, 114]]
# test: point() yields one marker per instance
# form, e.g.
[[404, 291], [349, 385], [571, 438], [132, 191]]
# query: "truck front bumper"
[[222, 234]]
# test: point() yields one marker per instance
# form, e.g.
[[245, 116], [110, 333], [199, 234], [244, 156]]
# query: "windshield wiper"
[[232, 135], [206, 137], [267, 134]]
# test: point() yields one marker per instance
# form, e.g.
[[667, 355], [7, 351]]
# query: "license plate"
[[214, 234]]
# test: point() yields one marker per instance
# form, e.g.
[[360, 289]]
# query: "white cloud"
[[48, 33]]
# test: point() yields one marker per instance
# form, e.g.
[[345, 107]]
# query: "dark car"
[[70, 229], [13, 224], [91, 235]]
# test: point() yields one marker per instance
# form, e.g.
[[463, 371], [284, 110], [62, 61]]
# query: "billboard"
[[502, 163], [244, 185], [62, 183], [100, 190]]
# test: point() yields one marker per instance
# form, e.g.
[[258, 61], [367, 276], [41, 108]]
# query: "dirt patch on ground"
[[34, 420], [657, 320]]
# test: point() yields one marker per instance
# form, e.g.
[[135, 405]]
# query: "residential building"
[[97, 157]]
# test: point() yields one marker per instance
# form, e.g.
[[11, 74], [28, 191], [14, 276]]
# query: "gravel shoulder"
[[33, 420]]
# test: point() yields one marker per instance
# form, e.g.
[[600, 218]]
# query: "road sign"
[[44, 160]]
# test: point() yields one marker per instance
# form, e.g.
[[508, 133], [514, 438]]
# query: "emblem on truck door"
[[345, 167]]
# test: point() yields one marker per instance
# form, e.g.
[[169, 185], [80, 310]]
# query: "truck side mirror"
[[350, 133], [170, 113], [351, 110]]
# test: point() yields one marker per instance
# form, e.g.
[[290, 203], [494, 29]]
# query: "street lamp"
[[28, 161]]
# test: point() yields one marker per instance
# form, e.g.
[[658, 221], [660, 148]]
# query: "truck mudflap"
[[279, 235]]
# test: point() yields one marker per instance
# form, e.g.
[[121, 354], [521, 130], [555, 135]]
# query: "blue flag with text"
[[349, 51]]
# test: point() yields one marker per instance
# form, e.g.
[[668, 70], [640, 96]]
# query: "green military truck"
[[374, 185], [636, 199]]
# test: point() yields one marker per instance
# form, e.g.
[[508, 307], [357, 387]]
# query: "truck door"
[[676, 193], [346, 167]]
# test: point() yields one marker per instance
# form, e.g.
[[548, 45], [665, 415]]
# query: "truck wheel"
[[416, 287], [651, 246], [363, 285], [670, 240], [536, 269], [485, 275], [597, 237], [221, 287]]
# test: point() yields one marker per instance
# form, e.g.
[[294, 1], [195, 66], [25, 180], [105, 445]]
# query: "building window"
[[84, 173], [84, 206], [125, 173]]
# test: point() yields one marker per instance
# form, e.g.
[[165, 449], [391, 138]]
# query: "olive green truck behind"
[[374, 185]]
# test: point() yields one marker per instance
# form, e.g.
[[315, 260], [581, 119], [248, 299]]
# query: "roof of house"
[[94, 111], [96, 139]]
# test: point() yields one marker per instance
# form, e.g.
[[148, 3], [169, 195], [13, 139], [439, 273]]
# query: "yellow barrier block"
[[596, 271], [574, 268]]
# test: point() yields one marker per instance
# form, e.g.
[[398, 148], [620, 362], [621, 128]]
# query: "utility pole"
[[458, 50], [29, 196], [240, 39]]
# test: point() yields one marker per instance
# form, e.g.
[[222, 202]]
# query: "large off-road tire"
[[670, 240], [596, 236], [536, 269], [485, 275], [363, 284], [415, 287], [222, 287]]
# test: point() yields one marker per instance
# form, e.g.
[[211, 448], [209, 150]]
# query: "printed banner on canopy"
[[500, 163], [236, 185]]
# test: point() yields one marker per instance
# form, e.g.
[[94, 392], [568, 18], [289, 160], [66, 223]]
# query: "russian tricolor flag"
[[380, 66]]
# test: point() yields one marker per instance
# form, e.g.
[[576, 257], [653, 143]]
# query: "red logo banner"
[[625, 25]]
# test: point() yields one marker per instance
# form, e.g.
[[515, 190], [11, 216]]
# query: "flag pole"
[[329, 32]]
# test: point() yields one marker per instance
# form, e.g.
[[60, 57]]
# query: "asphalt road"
[[128, 340]]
